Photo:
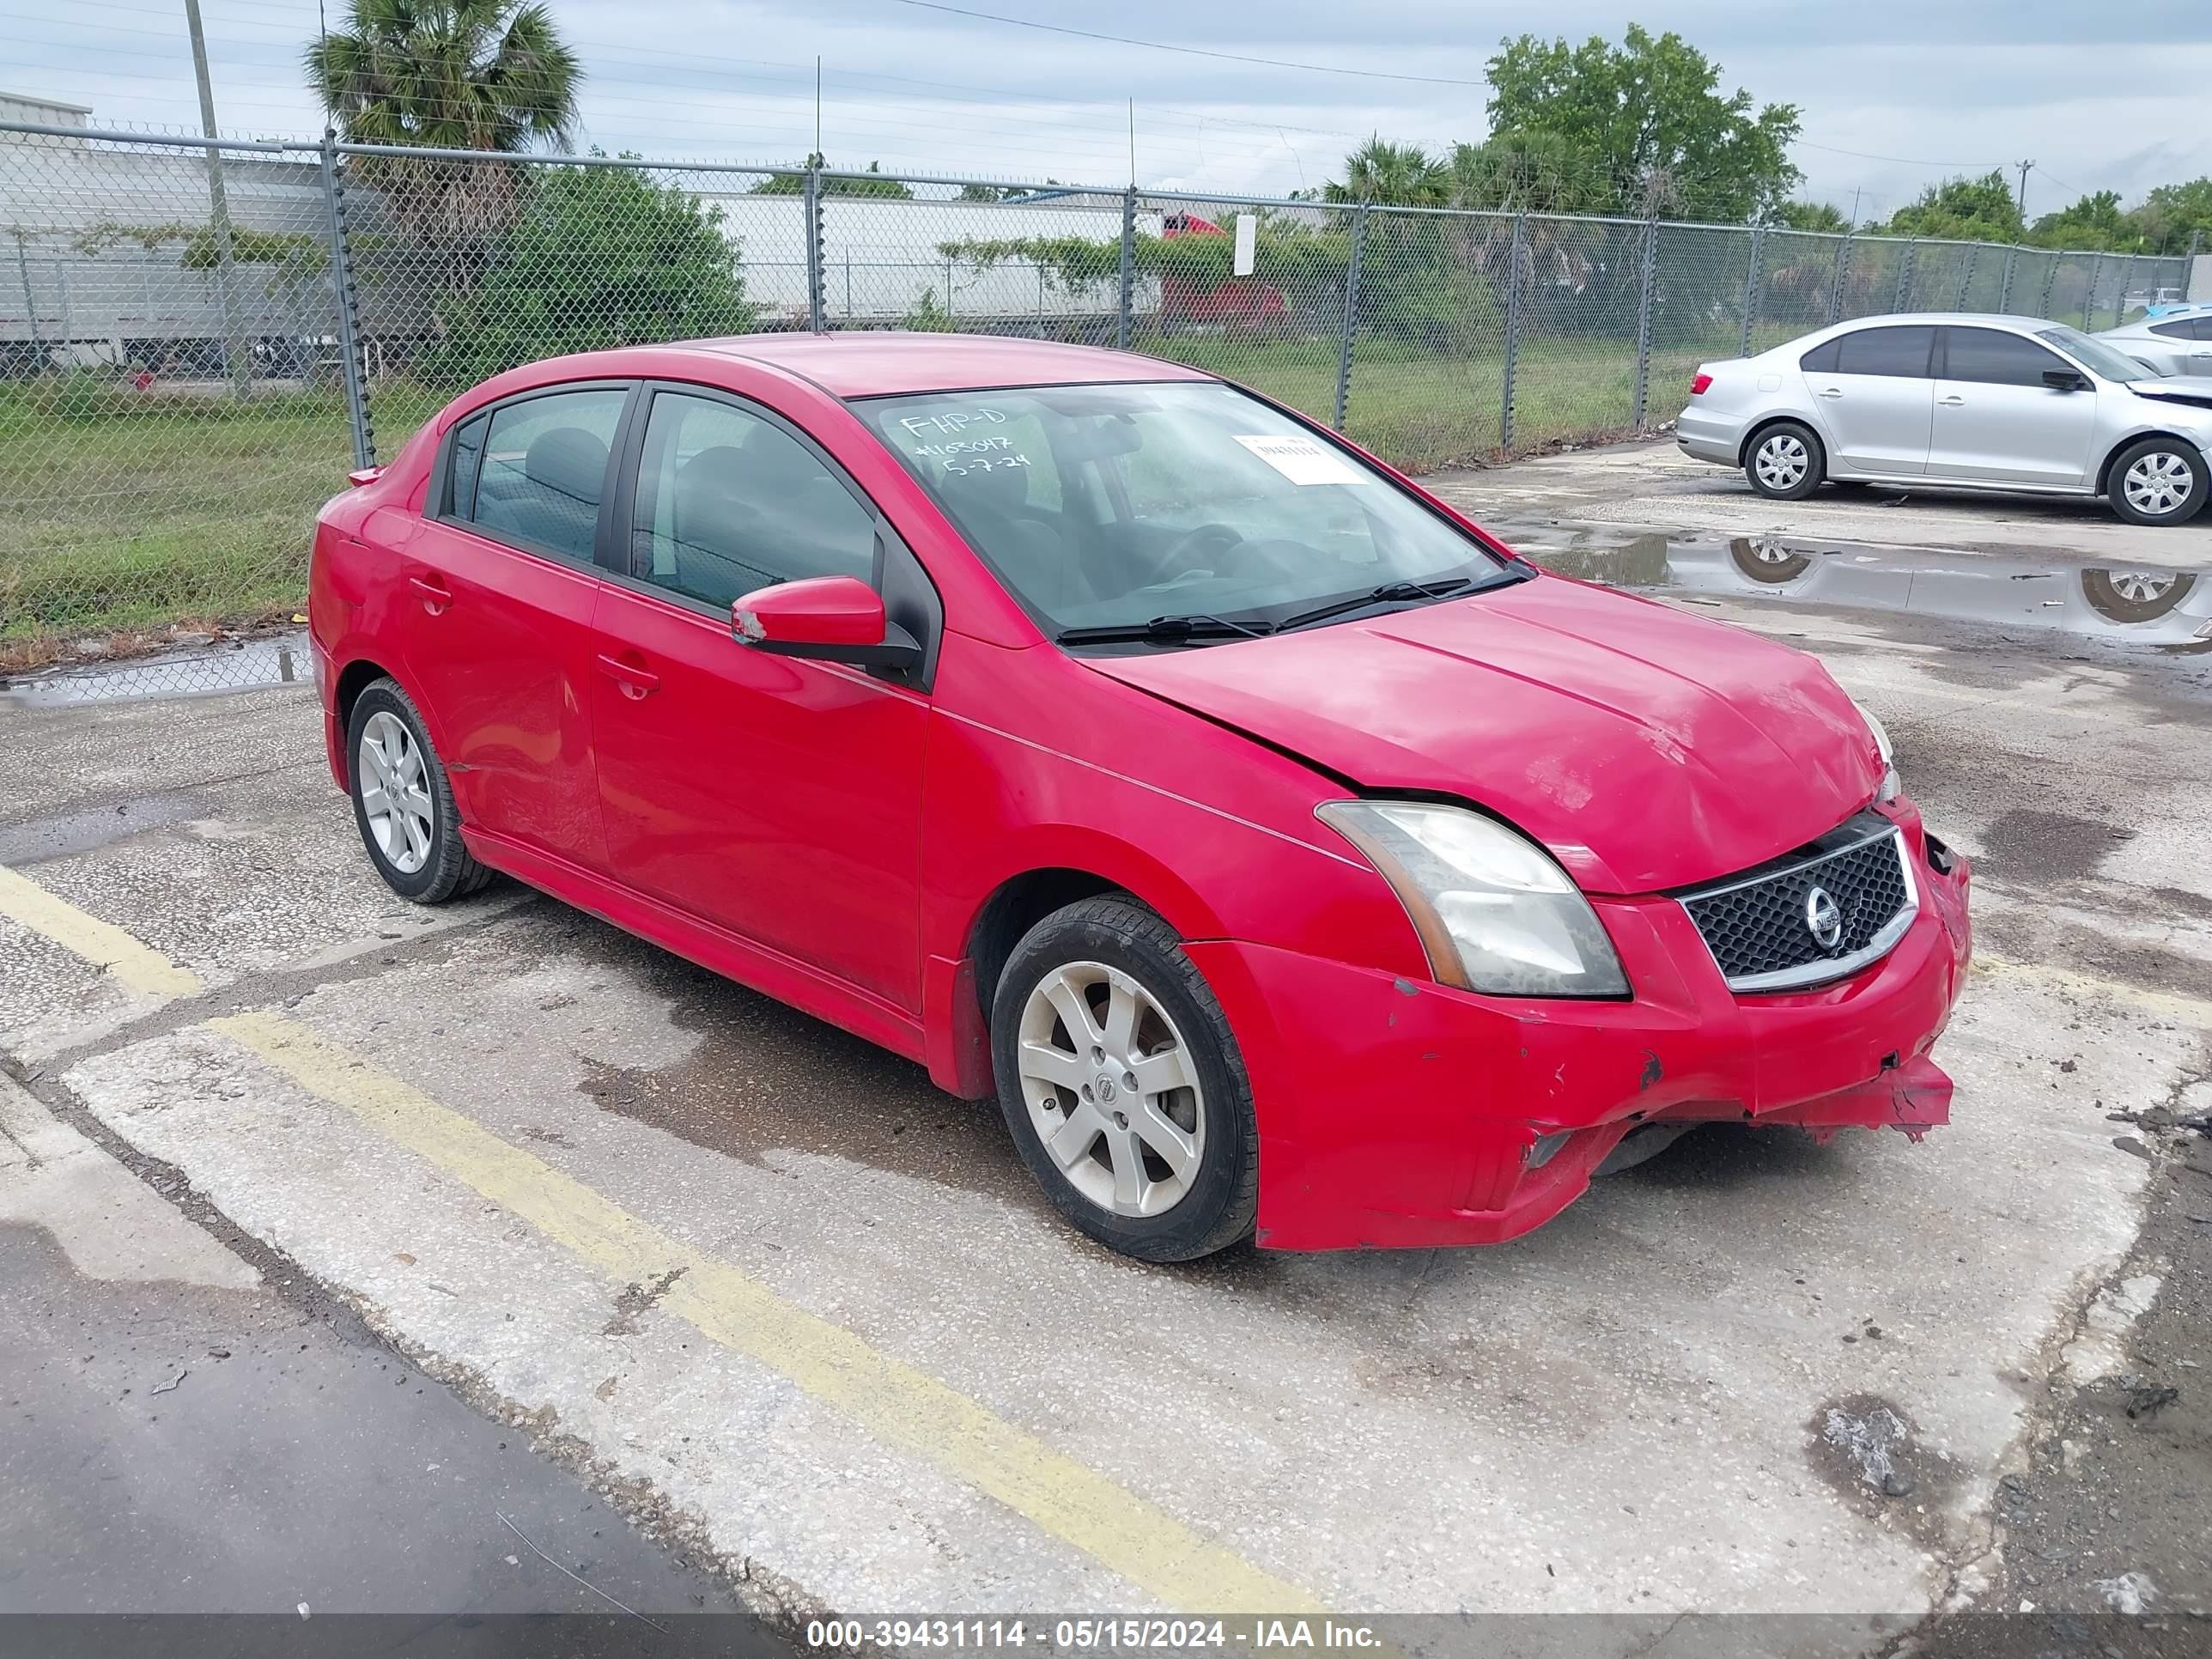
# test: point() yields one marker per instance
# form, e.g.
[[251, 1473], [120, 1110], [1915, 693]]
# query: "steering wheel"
[[1208, 540]]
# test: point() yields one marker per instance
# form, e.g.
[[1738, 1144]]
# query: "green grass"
[[124, 510]]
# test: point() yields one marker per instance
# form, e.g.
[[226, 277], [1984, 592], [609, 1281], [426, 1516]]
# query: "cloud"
[[1968, 81]]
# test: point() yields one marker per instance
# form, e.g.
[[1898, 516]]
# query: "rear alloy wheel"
[[401, 803], [1785, 463], [1122, 1085], [2159, 481]]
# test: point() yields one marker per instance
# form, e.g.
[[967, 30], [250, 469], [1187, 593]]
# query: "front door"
[[774, 798], [1997, 422], [1872, 393], [497, 642]]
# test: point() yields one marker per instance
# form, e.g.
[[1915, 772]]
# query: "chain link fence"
[[198, 342]]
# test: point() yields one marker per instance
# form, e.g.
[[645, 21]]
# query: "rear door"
[[1996, 422], [1872, 395], [496, 642]]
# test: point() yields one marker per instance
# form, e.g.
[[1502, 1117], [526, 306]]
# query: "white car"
[[2174, 340], [1961, 402]]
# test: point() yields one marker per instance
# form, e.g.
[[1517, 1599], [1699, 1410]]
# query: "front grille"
[[1760, 925]]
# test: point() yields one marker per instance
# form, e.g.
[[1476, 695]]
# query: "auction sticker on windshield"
[[1302, 460]]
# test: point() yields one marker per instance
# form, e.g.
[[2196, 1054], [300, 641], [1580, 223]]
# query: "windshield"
[[1109, 506], [2095, 356]]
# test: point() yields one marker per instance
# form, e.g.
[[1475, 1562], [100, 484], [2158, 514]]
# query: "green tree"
[[598, 257], [2094, 222], [485, 74], [1963, 209], [2172, 214], [1529, 172], [1650, 119], [795, 184], [1404, 175], [1820, 216], [983, 193]]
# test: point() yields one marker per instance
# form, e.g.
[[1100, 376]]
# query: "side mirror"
[[2065, 379], [826, 618]]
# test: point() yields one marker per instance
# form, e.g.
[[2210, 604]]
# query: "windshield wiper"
[[1164, 629], [1401, 591]]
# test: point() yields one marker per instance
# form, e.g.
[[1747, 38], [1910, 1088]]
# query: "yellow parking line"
[[2187, 1010], [105, 946], [893, 1401]]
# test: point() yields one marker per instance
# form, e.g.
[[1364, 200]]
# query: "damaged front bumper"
[[1397, 1114]]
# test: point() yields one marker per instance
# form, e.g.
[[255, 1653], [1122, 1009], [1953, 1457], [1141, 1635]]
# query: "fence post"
[[2134, 274], [1836, 289], [1899, 301], [2089, 294], [30, 304], [2189, 266], [1751, 288], [1128, 268], [1351, 313], [2004, 290], [2050, 278], [342, 290], [1646, 280], [814, 296], [1517, 250], [1966, 275]]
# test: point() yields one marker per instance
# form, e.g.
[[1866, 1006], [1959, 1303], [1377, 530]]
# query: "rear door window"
[[1991, 357], [541, 470], [1821, 359], [1899, 353]]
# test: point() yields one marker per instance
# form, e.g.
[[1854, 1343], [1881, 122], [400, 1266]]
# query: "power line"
[[1901, 161], [1188, 51]]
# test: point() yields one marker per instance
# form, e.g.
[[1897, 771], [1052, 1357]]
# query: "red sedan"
[[1286, 857]]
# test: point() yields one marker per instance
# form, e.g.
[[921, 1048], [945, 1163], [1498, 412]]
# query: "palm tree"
[[1401, 175], [480, 74]]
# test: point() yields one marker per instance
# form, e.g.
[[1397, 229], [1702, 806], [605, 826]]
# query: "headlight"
[[1494, 911], [1890, 786]]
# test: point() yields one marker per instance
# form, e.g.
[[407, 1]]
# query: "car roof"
[[1982, 319], [873, 362]]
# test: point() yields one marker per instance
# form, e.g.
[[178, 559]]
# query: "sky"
[[1893, 95]]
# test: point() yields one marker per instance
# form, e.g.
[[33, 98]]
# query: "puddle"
[[64, 833], [2138, 604], [242, 666], [765, 1078]]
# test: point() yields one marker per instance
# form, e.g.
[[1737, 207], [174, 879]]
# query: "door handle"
[[1951, 401], [436, 595], [635, 680], [1831, 392]]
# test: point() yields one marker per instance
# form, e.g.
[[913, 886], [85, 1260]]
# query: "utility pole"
[[2021, 201], [233, 327], [818, 103], [1132, 140]]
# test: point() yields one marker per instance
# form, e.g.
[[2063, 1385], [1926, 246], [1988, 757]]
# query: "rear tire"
[[403, 804], [2158, 480], [1785, 462], [1163, 1174]]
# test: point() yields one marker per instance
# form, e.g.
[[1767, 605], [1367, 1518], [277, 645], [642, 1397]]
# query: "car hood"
[[2195, 389], [1645, 747]]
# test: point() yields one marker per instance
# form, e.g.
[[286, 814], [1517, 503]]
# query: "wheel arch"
[[2122, 445], [1766, 423]]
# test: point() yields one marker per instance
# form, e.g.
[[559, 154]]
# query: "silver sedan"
[[2176, 340], [1961, 402]]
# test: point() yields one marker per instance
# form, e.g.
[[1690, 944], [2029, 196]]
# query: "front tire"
[[1785, 462], [2157, 481], [1122, 1084], [403, 803]]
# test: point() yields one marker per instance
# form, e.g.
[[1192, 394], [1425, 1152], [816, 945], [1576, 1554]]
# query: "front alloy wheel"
[[1121, 1083], [2157, 482], [1111, 1090]]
